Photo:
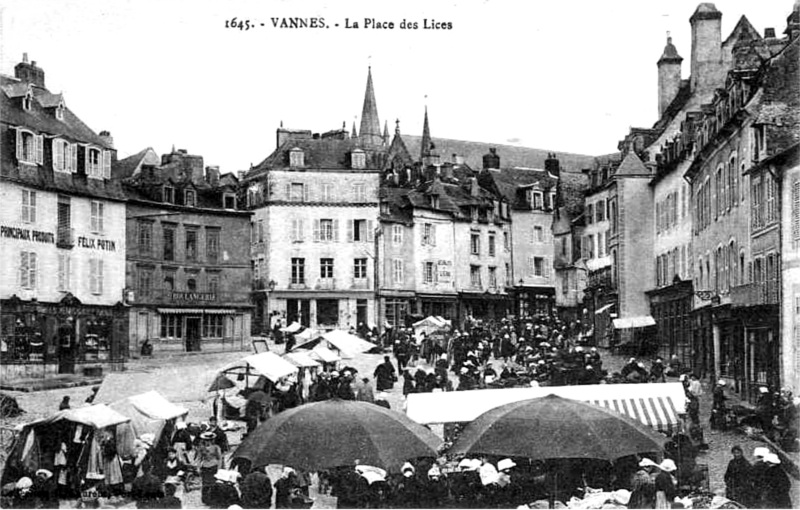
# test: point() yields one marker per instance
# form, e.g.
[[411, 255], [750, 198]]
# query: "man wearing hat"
[[738, 483], [208, 460], [220, 437], [44, 489], [718, 408], [765, 409], [223, 493], [385, 375], [409, 489], [643, 490], [777, 486]]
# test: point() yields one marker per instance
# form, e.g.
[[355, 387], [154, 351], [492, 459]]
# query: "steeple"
[[370, 125], [386, 132], [354, 134], [669, 76], [425, 147]]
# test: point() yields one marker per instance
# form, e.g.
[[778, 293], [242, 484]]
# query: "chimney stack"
[[107, 139], [491, 160], [706, 62], [212, 176], [769, 33], [552, 165], [28, 72]]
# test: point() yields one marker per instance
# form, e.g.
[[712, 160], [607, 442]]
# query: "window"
[[429, 234], [27, 269], [760, 139], [169, 284], [359, 159], [63, 156], [298, 271], [169, 194], [326, 268], [770, 203], [191, 285], [169, 243], [260, 230], [601, 210], [475, 244], [505, 241], [492, 243], [492, 277], [360, 192], [30, 147], [563, 246], [429, 275], [145, 240], [27, 100], [508, 275], [360, 268], [434, 201], [325, 230], [397, 270], [297, 230], [28, 206], [64, 272], [538, 200], [296, 157], [212, 326], [229, 201], [602, 246], [60, 111], [475, 276], [171, 326], [191, 244], [397, 234], [296, 192], [94, 163], [538, 266], [359, 231], [97, 217], [96, 275], [213, 284], [189, 198], [538, 234], [212, 244], [590, 214], [327, 192], [145, 283]]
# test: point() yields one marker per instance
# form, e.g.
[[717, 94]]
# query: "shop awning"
[[603, 308], [641, 321], [207, 311], [268, 364], [322, 353], [301, 359], [349, 345], [656, 405]]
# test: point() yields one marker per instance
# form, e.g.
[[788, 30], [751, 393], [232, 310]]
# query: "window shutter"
[[288, 191], [300, 232], [73, 152], [86, 160], [100, 276], [39, 149], [23, 269], [530, 265], [335, 231], [433, 234], [316, 230], [58, 159], [107, 164], [796, 211], [100, 217], [370, 232], [32, 272], [306, 190], [294, 229], [546, 268], [422, 237], [61, 271], [350, 231], [19, 145]]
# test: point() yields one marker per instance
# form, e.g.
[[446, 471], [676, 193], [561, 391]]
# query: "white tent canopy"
[[268, 364], [292, 328], [306, 334], [322, 353], [349, 345], [301, 359], [655, 405], [98, 416], [634, 322]]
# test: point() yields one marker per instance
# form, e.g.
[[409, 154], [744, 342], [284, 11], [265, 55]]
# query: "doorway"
[[192, 334], [361, 312]]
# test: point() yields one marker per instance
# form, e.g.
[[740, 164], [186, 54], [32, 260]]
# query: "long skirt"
[[661, 500]]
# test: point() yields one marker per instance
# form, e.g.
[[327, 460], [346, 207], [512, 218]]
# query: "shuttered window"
[[97, 220], [96, 275], [28, 206], [796, 214], [64, 271], [27, 269]]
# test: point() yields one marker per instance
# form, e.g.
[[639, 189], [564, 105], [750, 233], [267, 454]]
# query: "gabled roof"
[[40, 118], [419, 197], [509, 181], [743, 30], [632, 166], [510, 155], [131, 165], [398, 203]]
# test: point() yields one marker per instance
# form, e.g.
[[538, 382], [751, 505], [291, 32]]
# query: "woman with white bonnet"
[[643, 492], [665, 484]]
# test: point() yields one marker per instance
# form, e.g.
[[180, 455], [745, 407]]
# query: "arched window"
[[732, 269], [742, 269], [700, 273]]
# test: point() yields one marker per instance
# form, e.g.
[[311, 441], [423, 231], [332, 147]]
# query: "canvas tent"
[[429, 325], [301, 359], [268, 364], [656, 405], [149, 412], [347, 345], [323, 354]]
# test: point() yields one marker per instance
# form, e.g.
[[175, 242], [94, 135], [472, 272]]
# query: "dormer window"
[[434, 201], [538, 200], [60, 111], [97, 163], [30, 147], [358, 159], [296, 158], [27, 101], [189, 198], [65, 155], [169, 194], [229, 201]]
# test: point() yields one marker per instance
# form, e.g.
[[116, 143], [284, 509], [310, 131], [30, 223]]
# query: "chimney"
[[28, 72], [240, 174], [107, 139], [491, 160], [282, 135], [194, 166], [212, 176], [474, 189], [706, 66], [669, 76], [769, 33], [552, 165]]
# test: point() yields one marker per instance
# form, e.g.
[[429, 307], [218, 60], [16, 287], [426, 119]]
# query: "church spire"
[[425, 148], [386, 132], [370, 125], [354, 134]]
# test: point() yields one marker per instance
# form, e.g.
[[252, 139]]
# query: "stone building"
[[62, 224], [188, 257], [568, 264]]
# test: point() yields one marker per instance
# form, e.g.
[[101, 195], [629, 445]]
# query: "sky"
[[568, 76]]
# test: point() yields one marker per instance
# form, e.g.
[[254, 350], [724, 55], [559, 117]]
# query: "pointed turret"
[[370, 125], [354, 134], [386, 133], [425, 146], [669, 76]]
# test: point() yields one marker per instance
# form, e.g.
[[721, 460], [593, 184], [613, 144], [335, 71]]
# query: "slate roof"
[[509, 182], [398, 203], [510, 155], [124, 168], [632, 166]]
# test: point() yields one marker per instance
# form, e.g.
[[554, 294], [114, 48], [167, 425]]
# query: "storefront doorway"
[[192, 334]]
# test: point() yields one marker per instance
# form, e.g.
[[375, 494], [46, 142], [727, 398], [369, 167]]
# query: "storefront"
[[438, 305], [671, 308], [198, 329], [484, 306], [67, 337], [532, 301]]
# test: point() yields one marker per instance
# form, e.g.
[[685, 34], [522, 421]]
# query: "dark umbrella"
[[336, 432], [221, 383], [553, 427], [260, 397]]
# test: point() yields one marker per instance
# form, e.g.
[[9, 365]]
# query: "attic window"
[[60, 111], [169, 194], [229, 201], [189, 198], [538, 200], [296, 157], [434, 199], [358, 159], [27, 101]]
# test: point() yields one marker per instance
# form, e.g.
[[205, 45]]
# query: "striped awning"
[[207, 311], [655, 412]]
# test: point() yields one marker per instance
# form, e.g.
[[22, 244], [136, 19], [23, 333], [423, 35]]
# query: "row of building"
[[690, 234]]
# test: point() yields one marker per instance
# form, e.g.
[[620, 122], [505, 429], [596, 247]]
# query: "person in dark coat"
[[738, 486], [758, 478], [434, 491], [169, 500], [465, 485], [665, 484], [385, 375], [44, 489], [718, 408], [408, 383], [256, 490], [285, 488], [223, 493], [409, 489], [64, 403], [657, 371], [345, 390], [777, 486]]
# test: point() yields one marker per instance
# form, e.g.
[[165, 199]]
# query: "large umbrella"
[[553, 427], [221, 383], [335, 433]]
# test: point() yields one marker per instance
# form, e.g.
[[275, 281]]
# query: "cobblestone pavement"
[[43, 403]]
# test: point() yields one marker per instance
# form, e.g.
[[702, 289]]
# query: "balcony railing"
[[757, 293], [65, 237]]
